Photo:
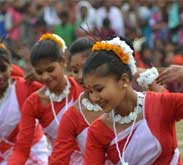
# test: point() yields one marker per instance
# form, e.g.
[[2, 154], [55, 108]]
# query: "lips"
[[47, 82]]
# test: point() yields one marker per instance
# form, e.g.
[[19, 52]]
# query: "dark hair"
[[45, 49], [106, 22], [5, 56], [105, 63], [80, 45], [64, 14]]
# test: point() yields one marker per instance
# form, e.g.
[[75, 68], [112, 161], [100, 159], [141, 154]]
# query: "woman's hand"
[[174, 73]]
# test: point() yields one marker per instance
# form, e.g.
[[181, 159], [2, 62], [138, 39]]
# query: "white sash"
[[175, 157], [143, 148], [9, 113], [51, 129], [38, 155], [81, 139]]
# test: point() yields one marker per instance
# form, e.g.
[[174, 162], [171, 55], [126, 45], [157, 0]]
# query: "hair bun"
[[56, 38]]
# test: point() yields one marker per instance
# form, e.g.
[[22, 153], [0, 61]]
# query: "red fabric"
[[5, 146], [71, 125], [162, 110], [17, 71], [138, 60], [22, 85], [177, 59], [34, 109], [24, 89]]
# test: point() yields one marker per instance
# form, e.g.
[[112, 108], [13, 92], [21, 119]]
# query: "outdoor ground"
[[180, 136]]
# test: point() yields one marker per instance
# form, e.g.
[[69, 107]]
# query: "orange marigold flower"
[[109, 47], [49, 36]]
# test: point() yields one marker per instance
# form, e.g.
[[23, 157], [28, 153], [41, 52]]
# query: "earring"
[[125, 85]]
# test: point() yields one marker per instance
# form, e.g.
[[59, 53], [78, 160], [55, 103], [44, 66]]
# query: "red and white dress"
[[71, 137], [153, 140], [10, 111], [34, 109], [16, 71]]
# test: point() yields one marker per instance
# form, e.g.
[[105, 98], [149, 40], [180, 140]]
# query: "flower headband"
[[55, 38], [120, 48]]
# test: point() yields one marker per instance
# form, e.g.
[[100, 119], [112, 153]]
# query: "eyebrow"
[[96, 85], [47, 67]]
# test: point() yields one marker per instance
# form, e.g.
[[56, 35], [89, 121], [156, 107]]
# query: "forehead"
[[93, 80], [78, 59], [44, 64]]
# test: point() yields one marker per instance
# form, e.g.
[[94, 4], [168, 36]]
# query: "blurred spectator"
[[50, 14], [85, 18], [114, 15], [39, 28], [154, 26], [159, 21], [173, 20], [16, 14], [158, 58], [65, 29], [106, 31], [145, 57], [5, 20]]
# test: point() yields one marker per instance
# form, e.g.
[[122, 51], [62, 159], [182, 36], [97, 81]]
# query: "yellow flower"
[[49, 36], [109, 47], [2, 46]]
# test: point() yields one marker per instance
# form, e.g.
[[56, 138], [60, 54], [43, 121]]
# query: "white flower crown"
[[127, 50]]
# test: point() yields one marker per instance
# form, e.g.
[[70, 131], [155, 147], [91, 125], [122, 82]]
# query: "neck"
[[59, 89], [128, 103]]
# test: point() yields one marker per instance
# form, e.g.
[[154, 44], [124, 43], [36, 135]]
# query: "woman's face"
[[76, 64], [5, 72], [105, 91], [51, 73]]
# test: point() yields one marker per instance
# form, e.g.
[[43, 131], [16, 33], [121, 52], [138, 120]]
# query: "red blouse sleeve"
[[96, 144], [70, 126], [25, 135], [167, 105], [17, 71]]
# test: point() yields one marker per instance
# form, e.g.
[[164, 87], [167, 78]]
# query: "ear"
[[124, 80]]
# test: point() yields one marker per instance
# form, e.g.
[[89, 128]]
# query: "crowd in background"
[[154, 26]]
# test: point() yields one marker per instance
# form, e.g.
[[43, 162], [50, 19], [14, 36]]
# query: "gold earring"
[[125, 85]]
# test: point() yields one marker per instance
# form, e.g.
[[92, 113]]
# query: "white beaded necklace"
[[127, 119], [89, 106], [59, 98]]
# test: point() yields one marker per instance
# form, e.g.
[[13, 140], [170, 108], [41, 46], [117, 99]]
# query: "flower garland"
[[121, 49], [62, 95], [89, 106], [116, 49], [55, 38], [146, 78]]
